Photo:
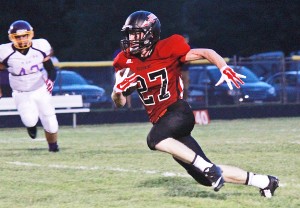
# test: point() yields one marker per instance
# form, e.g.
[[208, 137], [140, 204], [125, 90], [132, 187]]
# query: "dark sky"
[[83, 30]]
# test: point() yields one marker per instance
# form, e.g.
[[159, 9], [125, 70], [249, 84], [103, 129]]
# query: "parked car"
[[204, 78], [287, 85], [265, 64], [72, 83]]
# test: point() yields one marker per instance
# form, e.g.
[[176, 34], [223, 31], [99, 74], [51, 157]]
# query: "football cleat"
[[54, 150], [268, 192], [32, 131], [53, 147], [214, 175]]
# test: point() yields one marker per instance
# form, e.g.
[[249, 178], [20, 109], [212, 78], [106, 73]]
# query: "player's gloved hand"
[[229, 75], [123, 82], [50, 85]]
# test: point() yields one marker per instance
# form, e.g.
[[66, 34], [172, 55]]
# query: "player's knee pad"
[[50, 123], [28, 113], [29, 120]]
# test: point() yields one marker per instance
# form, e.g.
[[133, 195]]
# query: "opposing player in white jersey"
[[25, 59]]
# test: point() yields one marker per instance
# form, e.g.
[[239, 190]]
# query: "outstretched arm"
[[228, 74], [204, 53]]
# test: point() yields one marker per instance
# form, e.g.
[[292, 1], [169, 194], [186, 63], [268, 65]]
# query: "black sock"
[[53, 146]]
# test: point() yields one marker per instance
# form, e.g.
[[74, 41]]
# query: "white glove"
[[123, 82], [50, 85], [229, 75]]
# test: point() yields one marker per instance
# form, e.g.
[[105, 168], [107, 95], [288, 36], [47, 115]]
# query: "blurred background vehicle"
[[287, 86], [204, 78], [265, 64], [72, 83], [196, 98], [136, 102]]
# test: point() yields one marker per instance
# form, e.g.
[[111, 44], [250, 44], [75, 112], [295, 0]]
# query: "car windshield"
[[70, 79], [250, 76]]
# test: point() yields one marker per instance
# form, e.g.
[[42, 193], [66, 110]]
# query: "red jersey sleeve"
[[180, 47], [119, 62]]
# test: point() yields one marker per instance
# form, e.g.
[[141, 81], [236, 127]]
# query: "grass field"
[[111, 166]]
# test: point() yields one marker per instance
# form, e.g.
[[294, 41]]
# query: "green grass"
[[111, 166]]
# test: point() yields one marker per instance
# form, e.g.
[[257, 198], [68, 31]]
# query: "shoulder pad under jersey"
[[43, 45]]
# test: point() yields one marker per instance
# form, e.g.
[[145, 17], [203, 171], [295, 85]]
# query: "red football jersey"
[[159, 76]]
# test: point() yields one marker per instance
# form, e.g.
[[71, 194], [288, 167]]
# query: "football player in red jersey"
[[153, 68]]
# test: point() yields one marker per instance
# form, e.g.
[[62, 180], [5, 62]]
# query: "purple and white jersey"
[[25, 69]]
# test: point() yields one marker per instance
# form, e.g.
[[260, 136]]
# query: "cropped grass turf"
[[111, 166]]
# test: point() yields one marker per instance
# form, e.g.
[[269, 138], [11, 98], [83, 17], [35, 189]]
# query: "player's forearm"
[[118, 99], [48, 65], [204, 53]]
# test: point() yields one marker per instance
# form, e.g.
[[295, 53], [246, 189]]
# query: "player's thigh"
[[43, 101], [46, 111], [26, 107], [179, 119], [177, 122]]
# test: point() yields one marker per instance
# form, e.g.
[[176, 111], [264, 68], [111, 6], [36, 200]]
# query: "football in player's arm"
[[26, 59], [155, 66]]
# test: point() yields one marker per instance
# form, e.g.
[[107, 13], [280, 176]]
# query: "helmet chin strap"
[[22, 47], [146, 52]]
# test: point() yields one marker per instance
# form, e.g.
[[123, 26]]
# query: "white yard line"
[[57, 166]]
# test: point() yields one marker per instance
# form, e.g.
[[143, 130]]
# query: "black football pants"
[[177, 123]]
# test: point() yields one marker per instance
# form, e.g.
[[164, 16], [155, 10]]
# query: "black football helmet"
[[20, 28], [140, 22]]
